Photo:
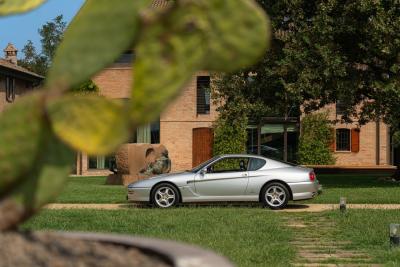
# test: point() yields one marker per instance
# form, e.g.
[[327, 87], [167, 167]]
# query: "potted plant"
[[41, 131]]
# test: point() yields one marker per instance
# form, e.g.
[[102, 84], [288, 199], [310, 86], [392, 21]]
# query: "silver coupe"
[[229, 178]]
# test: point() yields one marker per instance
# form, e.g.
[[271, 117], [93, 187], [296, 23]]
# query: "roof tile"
[[6, 64], [161, 3]]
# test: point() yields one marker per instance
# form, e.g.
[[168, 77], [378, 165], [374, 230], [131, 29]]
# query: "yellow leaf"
[[18, 6], [89, 123]]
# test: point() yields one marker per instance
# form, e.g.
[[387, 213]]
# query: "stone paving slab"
[[59, 206], [290, 208]]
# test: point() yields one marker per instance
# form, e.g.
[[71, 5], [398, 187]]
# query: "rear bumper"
[[305, 190], [138, 194]]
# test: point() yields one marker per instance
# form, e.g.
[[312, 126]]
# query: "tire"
[[275, 196], [165, 196]]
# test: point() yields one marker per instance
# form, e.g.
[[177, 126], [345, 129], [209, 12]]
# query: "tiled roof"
[[11, 66], [161, 3]]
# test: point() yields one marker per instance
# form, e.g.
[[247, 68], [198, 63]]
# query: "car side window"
[[229, 165], [256, 164]]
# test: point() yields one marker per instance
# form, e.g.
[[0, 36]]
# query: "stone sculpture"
[[138, 161]]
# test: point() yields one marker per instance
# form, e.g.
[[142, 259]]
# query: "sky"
[[18, 29]]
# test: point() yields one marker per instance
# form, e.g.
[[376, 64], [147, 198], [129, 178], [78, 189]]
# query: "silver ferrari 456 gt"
[[229, 178]]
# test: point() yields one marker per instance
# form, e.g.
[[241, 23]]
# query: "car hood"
[[170, 177]]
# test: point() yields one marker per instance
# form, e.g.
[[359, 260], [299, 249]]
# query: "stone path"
[[290, 208], [316, 245], [59, 206]]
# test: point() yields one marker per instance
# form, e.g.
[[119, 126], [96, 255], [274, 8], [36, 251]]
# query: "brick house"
[[368, 145], [184, 127], [14, 80]]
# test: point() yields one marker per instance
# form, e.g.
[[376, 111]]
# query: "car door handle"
[[244, 175]]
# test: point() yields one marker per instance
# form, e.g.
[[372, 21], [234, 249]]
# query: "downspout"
[[378, 142], [259, 139], [80, 163]]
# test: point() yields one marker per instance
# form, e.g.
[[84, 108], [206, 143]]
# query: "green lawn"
[[368, 230], [357, 189], [91, 190], [248, 236]]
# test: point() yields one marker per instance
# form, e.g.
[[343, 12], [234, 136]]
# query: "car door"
[[225, 177], [256, 177]]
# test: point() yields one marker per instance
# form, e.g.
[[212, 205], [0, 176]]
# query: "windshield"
[[201, 166]]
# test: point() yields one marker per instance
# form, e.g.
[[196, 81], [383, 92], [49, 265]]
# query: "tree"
[[325, 51], [88, 87], [51, 35]]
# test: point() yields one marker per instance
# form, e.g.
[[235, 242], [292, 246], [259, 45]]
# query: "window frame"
[[228, 171], [339, 107], [10, 89], [203, 108], [97, 158], [337, 140], [249, 164]]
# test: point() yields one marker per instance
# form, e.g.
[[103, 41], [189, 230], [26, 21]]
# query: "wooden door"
[[202, 145]]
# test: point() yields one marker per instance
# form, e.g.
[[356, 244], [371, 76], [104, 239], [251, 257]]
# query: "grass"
[[358, 189], [248, 236], [91, 190], [368, 230]]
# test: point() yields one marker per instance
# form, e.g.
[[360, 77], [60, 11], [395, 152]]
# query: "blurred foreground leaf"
[[18, 6], [99, 33], [238, 35], [89, 123], [21, 131], [40, 186], [168, 54]]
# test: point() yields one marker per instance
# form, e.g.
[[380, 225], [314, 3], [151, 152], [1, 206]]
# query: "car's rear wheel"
[[165, 196], [275, 196]]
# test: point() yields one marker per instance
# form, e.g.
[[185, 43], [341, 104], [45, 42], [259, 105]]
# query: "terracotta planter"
[[178, 254]]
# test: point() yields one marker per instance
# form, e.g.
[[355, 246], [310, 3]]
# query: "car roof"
[[241, 156]]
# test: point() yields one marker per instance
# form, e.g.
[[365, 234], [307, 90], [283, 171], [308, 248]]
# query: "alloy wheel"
[[275, 196], [165, 197]]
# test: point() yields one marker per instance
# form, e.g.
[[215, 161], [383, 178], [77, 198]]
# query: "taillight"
[[312, 176]]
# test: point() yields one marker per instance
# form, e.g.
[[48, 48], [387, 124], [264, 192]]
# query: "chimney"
[[11, 54]]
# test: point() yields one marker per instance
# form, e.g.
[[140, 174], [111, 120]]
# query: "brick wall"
[[367, 154], [176, 122], [21, 87], [115, 82]]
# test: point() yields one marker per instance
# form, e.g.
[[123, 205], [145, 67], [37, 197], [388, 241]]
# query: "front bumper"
[[138, 194], [305, 190]]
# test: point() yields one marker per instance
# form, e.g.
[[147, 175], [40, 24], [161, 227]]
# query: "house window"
[[100, 162], [343, 141], [147, 134], [229, 165], [126, 58], [340, 107], [10, 89], [203, 94]]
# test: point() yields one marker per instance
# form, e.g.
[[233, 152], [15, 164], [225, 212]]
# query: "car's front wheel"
[[165, 196], [275, 196]]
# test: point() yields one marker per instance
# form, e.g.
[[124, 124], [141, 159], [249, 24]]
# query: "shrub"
[[315, 140], [230, 136]]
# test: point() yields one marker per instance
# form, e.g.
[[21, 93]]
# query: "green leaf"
[[238, 34], [21, 131], [43, 184], [89, 123], [98, 35], [168, 54], [18, 6]]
